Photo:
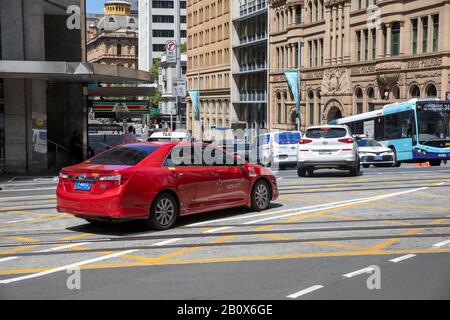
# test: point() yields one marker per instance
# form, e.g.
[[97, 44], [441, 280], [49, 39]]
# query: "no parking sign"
[[171, 51]]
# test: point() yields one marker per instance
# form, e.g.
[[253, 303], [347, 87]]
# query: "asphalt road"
[[326, 237]]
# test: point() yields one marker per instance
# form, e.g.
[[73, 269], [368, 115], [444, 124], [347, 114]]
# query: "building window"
[[366, 45], [279, 106], [395, 39], [321, 52], [119, 50], [424, 34], [319, 107], [298, 14], [370, 99], [359, 101], [396, 92], [310, 53], [435, 19], [358, 45], [414, 91], [374, 43], [384, 40], [431, 91], [414, 36]]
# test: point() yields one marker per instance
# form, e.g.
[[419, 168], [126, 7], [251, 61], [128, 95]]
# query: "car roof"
[[328, 126]]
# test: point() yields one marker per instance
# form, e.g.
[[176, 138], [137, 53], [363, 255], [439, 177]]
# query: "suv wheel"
[[310, 171], [354, 171], [301, 172]]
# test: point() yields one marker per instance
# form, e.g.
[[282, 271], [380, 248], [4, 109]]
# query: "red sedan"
[[158, 182]]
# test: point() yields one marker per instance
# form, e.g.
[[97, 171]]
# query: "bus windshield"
[[433, 125]]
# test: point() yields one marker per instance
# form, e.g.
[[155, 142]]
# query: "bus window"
[[391, 127], [379, 129]]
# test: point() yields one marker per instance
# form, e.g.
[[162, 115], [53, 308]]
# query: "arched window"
[[414, 91], [285, 100], [298, 14], [359, 100], [311, 107], [316, 9], [111, 19], [131, 20], [396, 92], [279, 112], [119, 49], [310, 9], [431, 91], [281, 21], [370, 99]]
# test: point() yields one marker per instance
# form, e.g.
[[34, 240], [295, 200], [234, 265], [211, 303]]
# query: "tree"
[[154, 100], [183, 47], [154, 70]]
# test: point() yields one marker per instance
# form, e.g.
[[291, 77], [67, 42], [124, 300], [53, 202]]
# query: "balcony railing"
[[252, 66]]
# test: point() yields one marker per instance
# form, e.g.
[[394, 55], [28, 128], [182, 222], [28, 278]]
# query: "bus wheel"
[[435, 163]]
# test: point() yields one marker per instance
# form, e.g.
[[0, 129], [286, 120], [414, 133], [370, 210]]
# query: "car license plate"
[[83, 186], [378, 158], [324, 153]]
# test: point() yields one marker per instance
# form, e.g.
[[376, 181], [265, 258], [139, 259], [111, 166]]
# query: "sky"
[[95, 6]]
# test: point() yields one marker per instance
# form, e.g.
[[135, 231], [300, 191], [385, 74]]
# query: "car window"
[[129, 155], [217, 157], [187, 155], [328, 133], [287, 137], [367, 143]]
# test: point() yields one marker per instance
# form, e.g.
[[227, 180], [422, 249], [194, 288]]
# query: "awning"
[[71, 72]]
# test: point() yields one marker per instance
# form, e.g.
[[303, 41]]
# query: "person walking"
[[130, 137], [76, 147]]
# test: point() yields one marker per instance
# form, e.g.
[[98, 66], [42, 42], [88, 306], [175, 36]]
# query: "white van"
[[168, 136], [276, 149]]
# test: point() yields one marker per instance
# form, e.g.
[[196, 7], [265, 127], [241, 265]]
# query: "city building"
[[167, 104], [134, 8], [209, 64], [249, 65], [44, 76], [113, 38], [356, 56], [156, 27]]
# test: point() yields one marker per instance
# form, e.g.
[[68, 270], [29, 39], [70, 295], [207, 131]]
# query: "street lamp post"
[[177, 20]]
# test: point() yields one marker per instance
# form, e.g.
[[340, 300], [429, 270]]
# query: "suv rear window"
[[129, 155], [328, 133]]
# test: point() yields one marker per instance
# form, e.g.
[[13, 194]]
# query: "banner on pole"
[[194, 94], [294, 84]]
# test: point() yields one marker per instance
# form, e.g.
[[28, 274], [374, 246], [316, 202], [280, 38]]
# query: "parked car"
[[276, 149], [374, 153], [328, 147], [157, 182], [239, 148]]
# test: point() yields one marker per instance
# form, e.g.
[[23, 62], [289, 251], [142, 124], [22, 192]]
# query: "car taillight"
[[346, 140], [63, 176], [119, 179], [305, 141]]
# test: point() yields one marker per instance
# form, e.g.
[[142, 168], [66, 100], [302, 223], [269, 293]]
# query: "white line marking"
[[10, 222], [64, 247], [441, 244], [217, 229], [355, 201], [8, 258], [398, 259], [166, 242], [305, 291], [33, 189], [358, 272], [73, 265]]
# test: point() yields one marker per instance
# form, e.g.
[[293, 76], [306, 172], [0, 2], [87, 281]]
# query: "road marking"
[[304, 291], [441, 244], [73, 265], [398, 259], [342, 204], [358, 272], [76, 236], [64, 247], [8, 258], [31, 189], [217, 229], [166, 242], [43, 197], [15, 221]]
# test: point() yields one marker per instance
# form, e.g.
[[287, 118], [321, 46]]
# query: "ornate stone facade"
[[356, 58]]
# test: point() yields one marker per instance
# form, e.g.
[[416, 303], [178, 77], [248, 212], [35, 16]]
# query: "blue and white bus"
[[417, 130]]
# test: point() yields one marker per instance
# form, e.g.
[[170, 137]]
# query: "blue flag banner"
[[294, 85], [194, 94]]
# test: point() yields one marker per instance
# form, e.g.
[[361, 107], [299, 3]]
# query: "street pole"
[[299, 59], [177, 20]]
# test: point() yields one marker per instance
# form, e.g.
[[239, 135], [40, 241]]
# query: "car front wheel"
[[164, 212], [260, 195], [301, 172]]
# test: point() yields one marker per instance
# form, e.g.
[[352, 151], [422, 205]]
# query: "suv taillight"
[[305, 141], [346, 140]]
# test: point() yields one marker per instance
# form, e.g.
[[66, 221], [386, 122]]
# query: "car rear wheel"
[[396, 163], [301, 172], [164, 212], [260, 195]]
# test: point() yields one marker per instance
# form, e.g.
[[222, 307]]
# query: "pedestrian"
[[91, 152], [76, 147], [130, 137]]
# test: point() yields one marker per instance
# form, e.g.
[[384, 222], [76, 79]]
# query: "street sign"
[[171, 51], [179, 87], [154, 111]]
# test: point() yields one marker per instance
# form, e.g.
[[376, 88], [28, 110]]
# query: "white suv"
[[330, 147]]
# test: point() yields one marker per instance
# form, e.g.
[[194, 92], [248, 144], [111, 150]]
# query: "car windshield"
[[328, 133], [433, 125], [128, 155], [367, 143]]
